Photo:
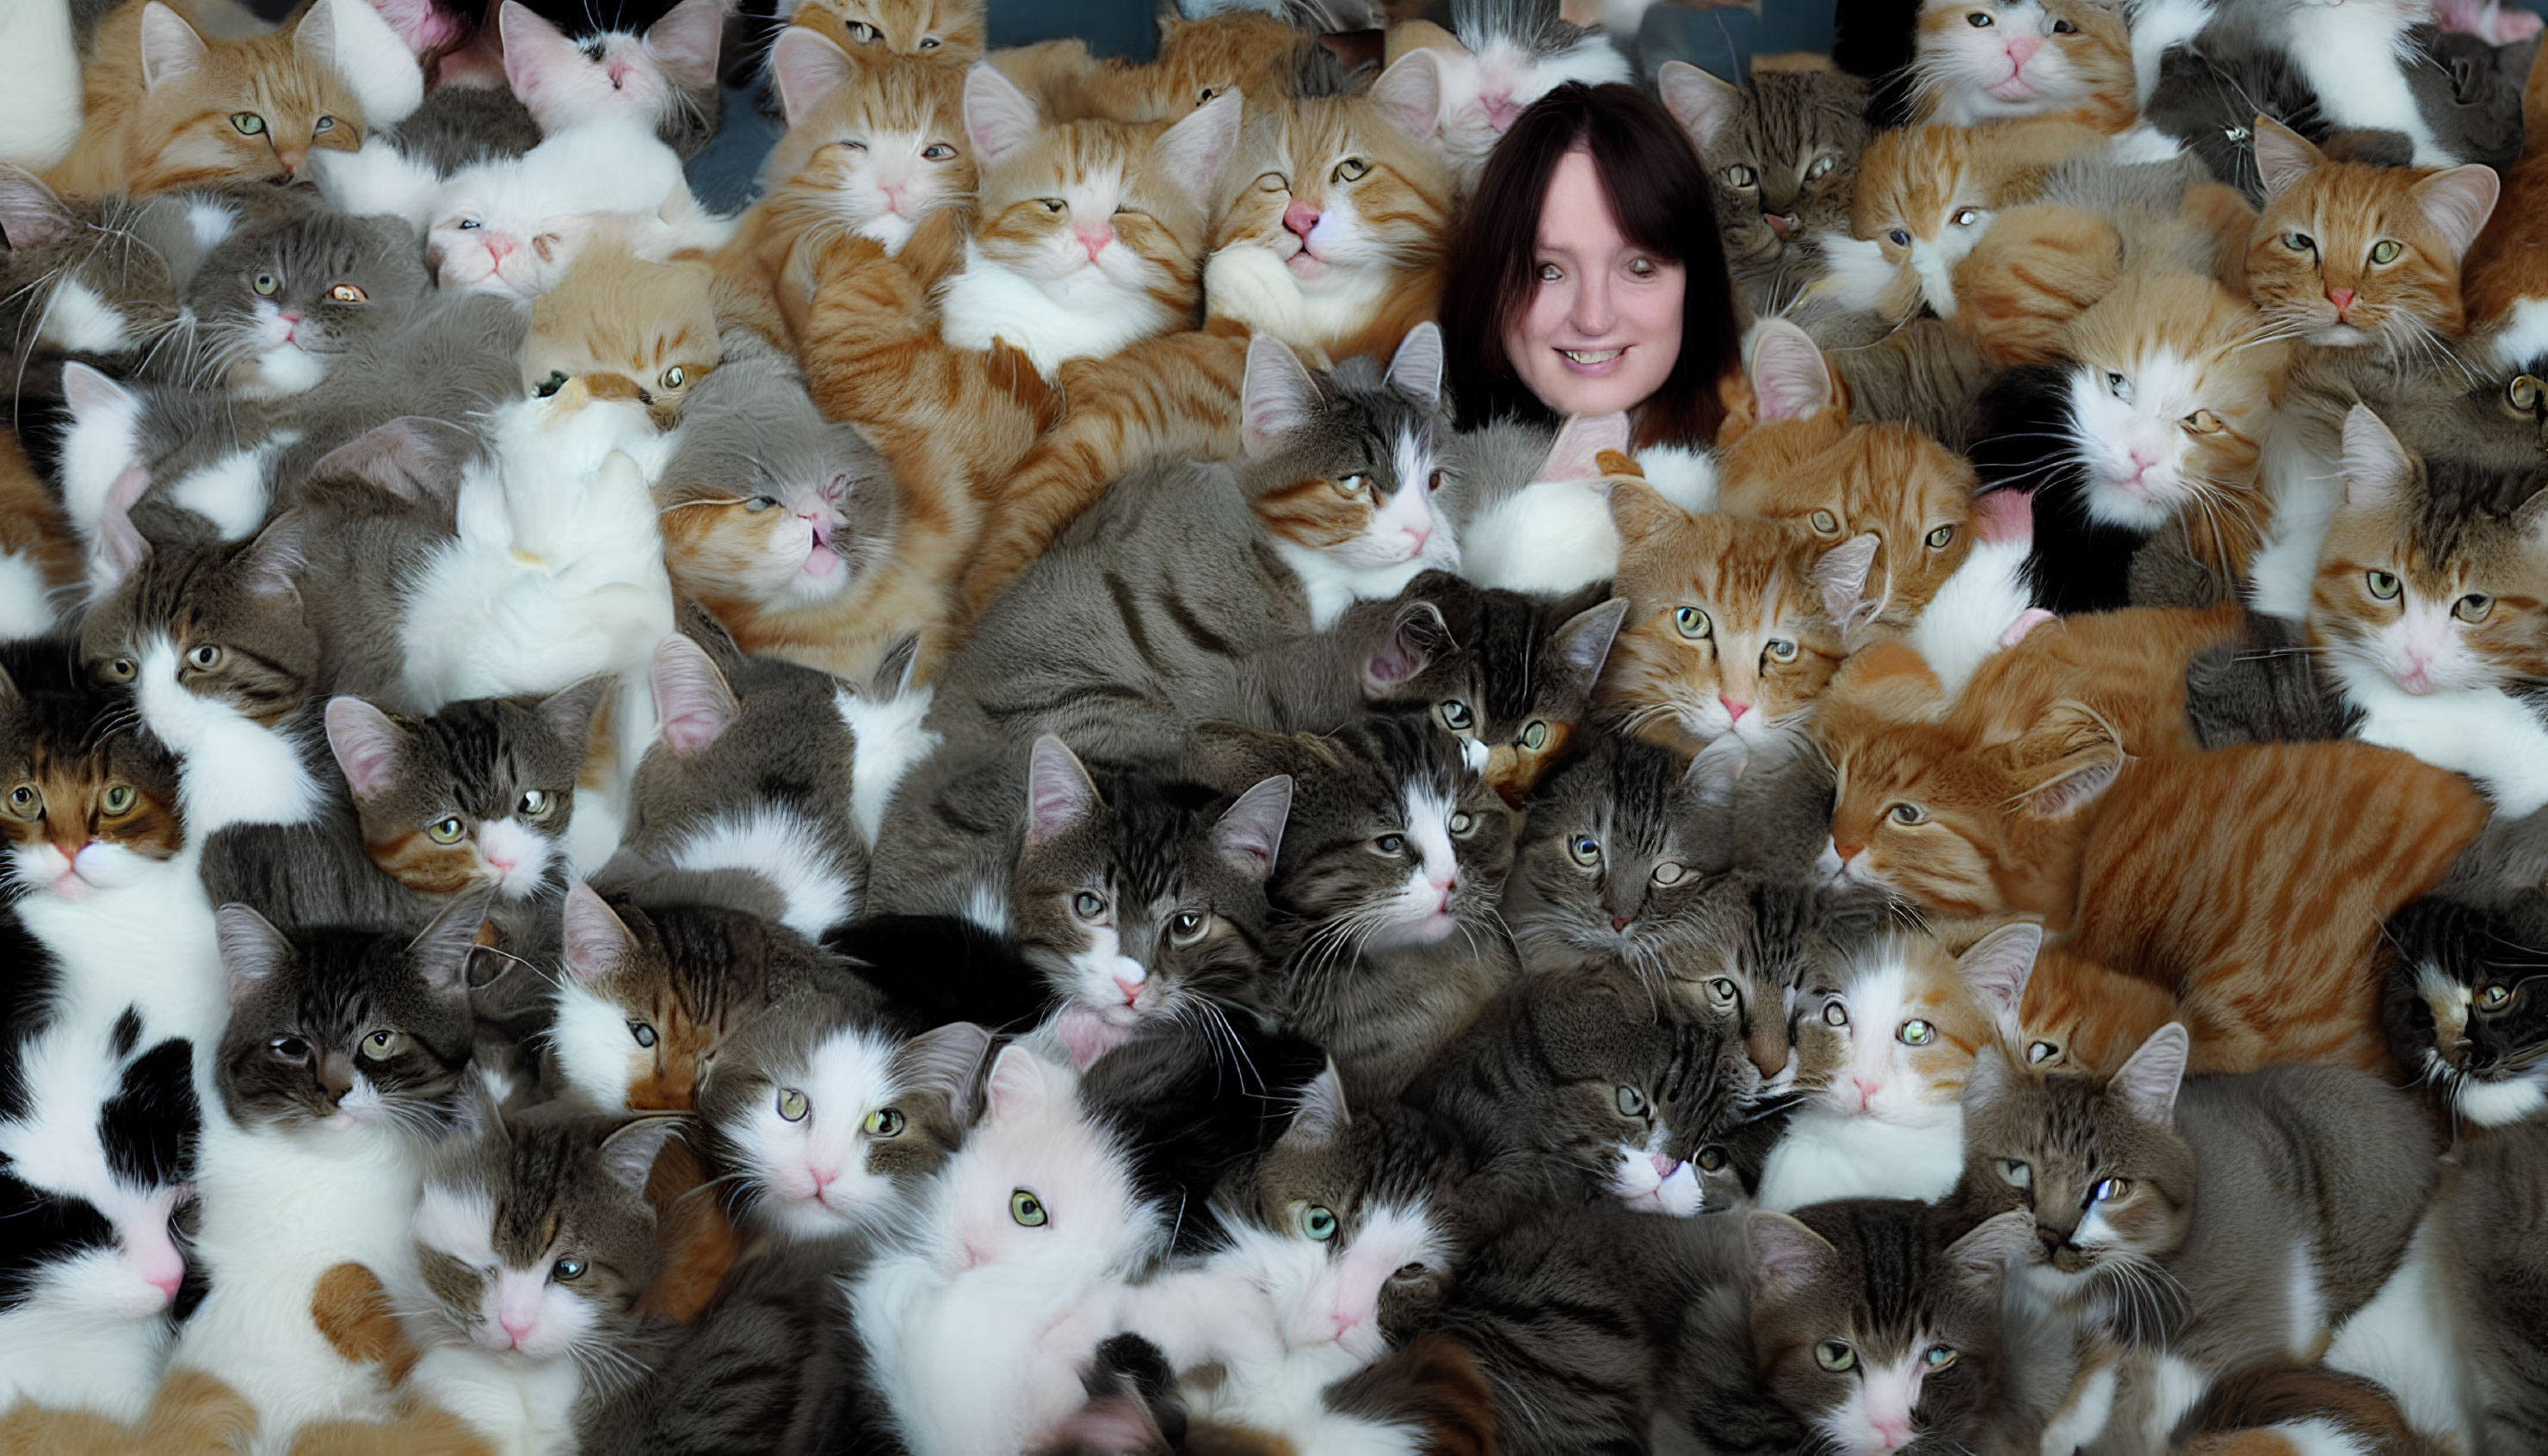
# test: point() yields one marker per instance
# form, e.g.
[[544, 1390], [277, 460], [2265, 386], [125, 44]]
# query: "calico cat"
[[2187, 1286], [167, 108], [2346, 254], [1783, 156], [663, 78], [1726, 616], [624, 329], [1334, 245], [534, 1242], [1886, 1038], [833, 1121], [274, 306], [649, 995], [1497, 58], [945, 32], [347, 1053], [1993, 61], [1583, 1076], [2459, 1008]]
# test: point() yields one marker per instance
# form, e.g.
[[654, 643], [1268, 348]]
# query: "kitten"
[[945, 32], [649, 995], [624, 329], [872, 146], [1976, 61], [1885, 1039], [533, 1244], [664, 78], [1334, 242], [1782, 157], [166, 109], [276, 307], [2420, 612], [347, 1051], [2458, 1008], [2185, 1287], [2084, 1017], [834, 1122], [1728, 619], [2346, 254], [1497, 58]]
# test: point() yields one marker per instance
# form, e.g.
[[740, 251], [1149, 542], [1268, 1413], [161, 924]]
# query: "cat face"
[[280, 305], [1873, 1325], [1037, 1180], [1891, 1032], [626, 330], [1340, 189], [1535, 672], [1923, 197], [1885, 481], [535, 1235], [1784, 155], [2170, 395], [875, 144], [98, 1148], [1149, 902], [346, 1032], [2416, 591], [1500, 59], [834, 1123], [1346, 473], [1989, 60], [2102, 1169], [207, 633], [88, 798], [1613, 851], [84, 276], [512, 226], [2463, 1010], [2346, 254], [664, 80], [947, 32], [477, 796], [1730, 627], [250, 110]]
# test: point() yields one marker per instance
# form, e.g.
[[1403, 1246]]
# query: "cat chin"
[[2500, 1104], [279, 372], [1643, 1187]]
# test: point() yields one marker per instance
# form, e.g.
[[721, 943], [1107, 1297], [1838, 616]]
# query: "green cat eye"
[[1027, 1209], [121, 669], [1351, 169], [1087, 906], [2473, 607], [1939, 1357], [266, 284], [382, 1045], [118, 798], [2015, 1173], [1739, 175], [1907, 813], [1780, 650], [885, 1121], [2524, 393], [248, 122], [1723, 991], [2493, 998], [792, 1105], [1835, 1356], [1586, 850], [1462, 823], [2110, 1189], [1318, 1222], [1187, 927], [1630, 1101], [1711, 1160], [1825, 522], [1692, 623], [1534, 737], [2298, 243], [25, 802], [1938, 538], [551, 385], [1456, 715], [675, 377], [2382, 584], [643, 1034], [2386, 250], [538, 805], [445, 831], [1915, 1033], [567, 1271]]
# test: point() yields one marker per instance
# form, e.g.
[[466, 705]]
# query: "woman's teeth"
[[1592, 356]]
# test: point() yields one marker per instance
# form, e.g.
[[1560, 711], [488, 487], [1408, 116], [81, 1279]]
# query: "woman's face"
[[1604, 325]]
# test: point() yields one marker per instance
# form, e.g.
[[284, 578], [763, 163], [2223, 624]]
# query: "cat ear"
[[2457, 201], [947, 1060], [315, 36], [272, 563], [1019, 1082], [1059, 793], [1638, 511], [2283, 156], [1193, 153], [2376, 467], [410, 457], [533, 49], [93, 392], [1982, 1257], [169, 46], [686, 40], [2530, 517], [693, 703], [1839, 574], [1584, 643], [807, 67], [1417, 368], [998, 117], [569, 710], [367, 745], [441, 949], [1415, 634], [1249, 833], [1789, 376], [2084, 762], [1995, 969], [628, 1154], [1410, 94], [2148, 1079], [1787, 1258], [1276, 396], [1703, 105], [1321, 1113], [31, 215], [596, 940], [1575, 454], [121, 548], [252, 950]]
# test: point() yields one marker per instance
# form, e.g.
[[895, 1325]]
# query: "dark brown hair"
[[1659, 196]]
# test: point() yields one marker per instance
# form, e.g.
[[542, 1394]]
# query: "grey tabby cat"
[[2488, 1217], [2192, 1231], [1782, 158], [278, 304]]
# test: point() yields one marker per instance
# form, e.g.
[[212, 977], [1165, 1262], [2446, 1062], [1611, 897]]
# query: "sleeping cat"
[[1782, 158], [1885, 1042], [2460, 1009]]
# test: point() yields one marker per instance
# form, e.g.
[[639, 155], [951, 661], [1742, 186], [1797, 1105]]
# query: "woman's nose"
[[1593, 315]]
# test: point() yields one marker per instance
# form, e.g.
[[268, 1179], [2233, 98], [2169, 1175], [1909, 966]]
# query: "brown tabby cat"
[[2348, 253], [1729, 619], [947, 33], [624, 329], [168, 108]]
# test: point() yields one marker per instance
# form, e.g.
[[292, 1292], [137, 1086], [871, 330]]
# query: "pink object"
[[1300, 217], [2027, 621], [2342, 298], [2492, 21], [2004, 516]]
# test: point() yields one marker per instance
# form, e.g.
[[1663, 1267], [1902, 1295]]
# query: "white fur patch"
[[2482, 732], [1083, 315], [43, 114], [2353, 56], [1964, 624], [2409, 1339], [26, 601], [1684, 477], [1246, 281], [1552, 536], [233, 771], [782, 849], [596, 1051], [79, 321], [890, 736], [2523, 336], [813, 1172], [233, 491]]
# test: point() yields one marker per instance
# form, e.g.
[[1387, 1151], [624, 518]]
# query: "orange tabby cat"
[[948, 33], [2348, 253], [625, 328], [1245, 51], [1732, 624], [1989, 60], [2508, 262], [1925, 196], [33, 535], [2082, 1016], [168, 108]]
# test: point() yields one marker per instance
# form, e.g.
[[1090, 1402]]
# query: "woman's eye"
[[675, 377], [1550, 273], [1668, 872], [2016, 1173], [1835, 1014], [2382, 584], [1027, 1210], [1586, 850], [1915, 1033], [2298, 243], [792, 1105], [249, 124], [1352, 169], [266, 285], [643, 1034], [1938, 538], [1898, 237], [2385, 251], [118, 798], [1391, 844], [885, 1121], [1739, 175], [1691, 623], [1780, 650], [1087, 906], [938, 151], [1534, 737], [348, 292], [536, 805], [2473, 607], [1456, 715], [1318, 1222], [1631, 1101], [445, 831], [1907, 813]]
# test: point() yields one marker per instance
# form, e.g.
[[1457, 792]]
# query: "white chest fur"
[[522, 1406], [1825, 1156]]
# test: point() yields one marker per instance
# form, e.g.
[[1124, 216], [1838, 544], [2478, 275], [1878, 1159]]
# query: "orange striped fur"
[[1887, 480], [2508, 262], [191, 1414], [946, 33]]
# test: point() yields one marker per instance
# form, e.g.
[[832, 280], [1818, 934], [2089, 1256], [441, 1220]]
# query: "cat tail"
[[44, 116], [1434, 1383], [2274, 1409], [1165, 397]]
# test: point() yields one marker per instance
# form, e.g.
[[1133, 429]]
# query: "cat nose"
[[1780, 224], [1620, 922], [2051, 1239], [1095, 239], [1867, 1091], [1847, 853], [497, 248], [1131, 986], [2022, 47], [2342, 298], [515, 1325], [1662, 1165], [1734, 711], [1300, 217]]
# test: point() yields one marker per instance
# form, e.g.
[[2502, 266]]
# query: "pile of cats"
[[959, 812]]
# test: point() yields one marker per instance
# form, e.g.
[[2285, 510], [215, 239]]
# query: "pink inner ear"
[[2004, 516], [366, 745]]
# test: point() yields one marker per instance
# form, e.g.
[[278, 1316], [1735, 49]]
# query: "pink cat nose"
[[1780, 224], [1662, 1165], [1620, 922], [501, 863], [2022, 48], [166, 1281], [892, 198], [823, 1177], [1300, 217], [497, 248], [2342, 298], [1094, 239], [1867, 1091], [1896, 1432], [516, 1325], [1735, 710], [1130, 987]]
